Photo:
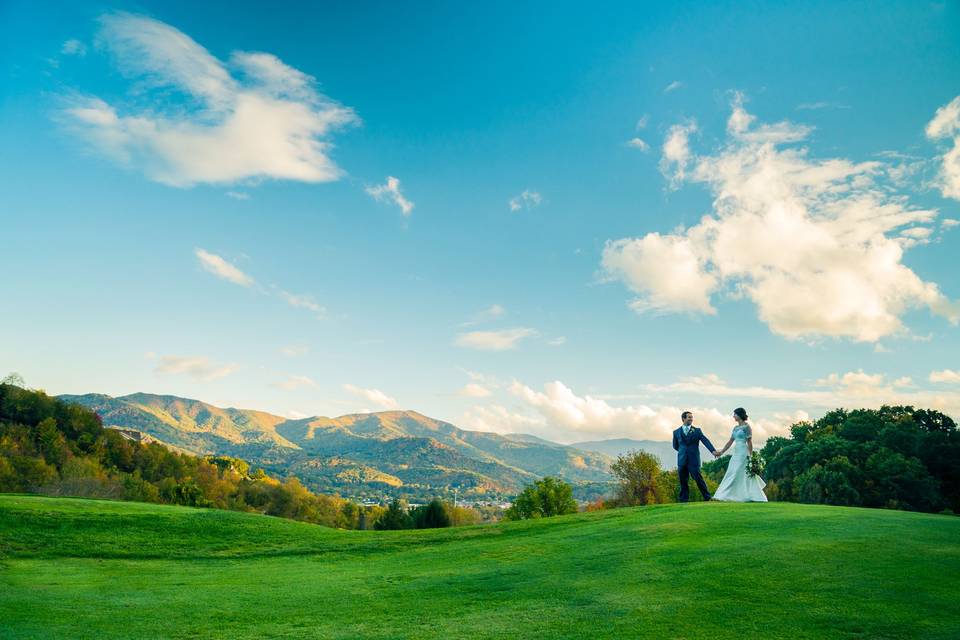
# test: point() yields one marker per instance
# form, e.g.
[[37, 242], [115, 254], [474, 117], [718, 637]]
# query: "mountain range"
[[389, 453]]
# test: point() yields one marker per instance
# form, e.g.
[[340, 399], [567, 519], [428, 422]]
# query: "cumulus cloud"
[[526, 200], [198, 367], [222, 269], [946, 375], [946, 126], [375, 396], [502, 340], [207, 121], [667, 272], [816, 245], [567, 417], [390, 192]]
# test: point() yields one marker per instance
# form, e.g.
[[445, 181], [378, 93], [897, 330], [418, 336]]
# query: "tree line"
[[52, 447]]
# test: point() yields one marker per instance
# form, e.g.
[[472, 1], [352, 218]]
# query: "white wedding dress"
[[737, 485]]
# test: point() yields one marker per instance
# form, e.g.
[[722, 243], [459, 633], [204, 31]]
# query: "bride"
[[737, 485]]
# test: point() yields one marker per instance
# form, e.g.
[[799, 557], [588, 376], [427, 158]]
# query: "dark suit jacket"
[[688, 447]]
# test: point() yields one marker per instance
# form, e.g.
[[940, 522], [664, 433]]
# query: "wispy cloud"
[[73, 47], [815, 106], [252, 118], [676, 153], [390, 192], [375, 396], [503, 340], [292, 382], [198, 367], [294, 350], [222, 269], [474, 390], [238, 195], [304, 301], [528, 199], [637, 143], [492, 312], [673, 86]]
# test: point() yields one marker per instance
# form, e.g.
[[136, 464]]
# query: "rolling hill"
[[81, 568], [402, 453]]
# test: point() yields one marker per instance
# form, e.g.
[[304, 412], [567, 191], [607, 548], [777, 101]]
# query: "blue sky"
[[559, 219]]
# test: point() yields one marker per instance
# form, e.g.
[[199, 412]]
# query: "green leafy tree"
[[395, 517], [544, 498], [433, 515], [637, 474]]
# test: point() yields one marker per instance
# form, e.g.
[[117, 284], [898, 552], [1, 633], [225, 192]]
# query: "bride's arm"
[[749, 441], [726, 446]]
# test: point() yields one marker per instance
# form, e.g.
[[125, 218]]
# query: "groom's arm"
[[676, 445], [706, 443]]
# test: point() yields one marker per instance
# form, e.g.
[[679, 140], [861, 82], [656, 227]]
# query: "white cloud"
[[502, 340], [642, 122], [851, 390], [375, 396], [949, 223], [302, 302], [676, 153], [673, 86], [474, 390], [499, 419], [817, 245], [558, 341], [637, 143], [292, 382], [948, 376], [946, 126], [667, 272], [73, 47], [267, 121], [198, 367], [390, 192], [567, 417], [526, 200], [222, 269], [238, 195]]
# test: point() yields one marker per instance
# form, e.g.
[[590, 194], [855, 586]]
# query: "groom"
[[686, 442]]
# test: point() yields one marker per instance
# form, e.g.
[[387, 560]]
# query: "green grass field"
[[73, 568]]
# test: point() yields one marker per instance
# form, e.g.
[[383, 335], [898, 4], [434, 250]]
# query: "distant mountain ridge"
[[619, 446], [392, 452]]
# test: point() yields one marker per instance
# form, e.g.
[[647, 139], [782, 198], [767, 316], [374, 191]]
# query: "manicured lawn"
[[74, 568]]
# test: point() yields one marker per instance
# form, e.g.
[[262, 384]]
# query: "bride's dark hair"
[[741, 413]]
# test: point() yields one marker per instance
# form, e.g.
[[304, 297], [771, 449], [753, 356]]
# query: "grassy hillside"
[[79, 568], [400, 453]]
